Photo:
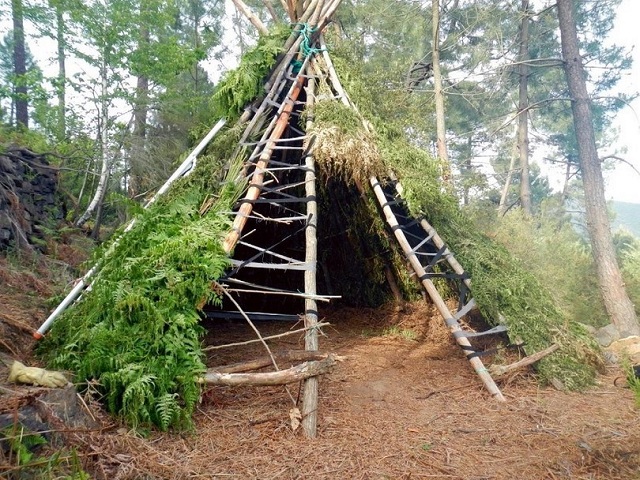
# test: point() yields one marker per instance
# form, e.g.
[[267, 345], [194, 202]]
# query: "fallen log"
[[282, 377], [497, 370], [286, 356]]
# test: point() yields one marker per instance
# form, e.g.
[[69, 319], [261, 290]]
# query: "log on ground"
[[282, 377]]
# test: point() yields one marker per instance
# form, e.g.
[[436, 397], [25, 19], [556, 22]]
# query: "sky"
[[623, 184]]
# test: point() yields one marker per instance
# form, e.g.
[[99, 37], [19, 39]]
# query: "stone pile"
[[28, 205]]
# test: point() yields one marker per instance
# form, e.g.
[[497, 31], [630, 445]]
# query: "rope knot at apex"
[[307, 32]]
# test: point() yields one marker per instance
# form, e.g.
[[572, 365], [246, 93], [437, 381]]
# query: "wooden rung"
[[274, 266], [267, 251]]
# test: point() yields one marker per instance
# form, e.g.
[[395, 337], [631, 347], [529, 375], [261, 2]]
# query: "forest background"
[[126, 94]]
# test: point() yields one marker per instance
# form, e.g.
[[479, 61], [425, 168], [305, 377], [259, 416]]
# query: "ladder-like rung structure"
[[270, 225], [431, 260]]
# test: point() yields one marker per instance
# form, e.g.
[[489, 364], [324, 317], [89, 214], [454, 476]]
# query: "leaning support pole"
[[310, 397], [438, 242], [184, 169], [428, 285], [257, 179]]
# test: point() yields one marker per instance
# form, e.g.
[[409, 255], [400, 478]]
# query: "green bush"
[[559, 259]]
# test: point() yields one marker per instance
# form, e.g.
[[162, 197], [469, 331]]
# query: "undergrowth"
[[634, 383], [27, 454], [136, 332]]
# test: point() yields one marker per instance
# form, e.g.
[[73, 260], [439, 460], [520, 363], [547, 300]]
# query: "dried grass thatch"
[[343, 148]]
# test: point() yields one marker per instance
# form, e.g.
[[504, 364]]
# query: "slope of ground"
[[403, 404]]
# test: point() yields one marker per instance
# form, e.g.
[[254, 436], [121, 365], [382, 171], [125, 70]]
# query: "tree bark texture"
[[616, 300], [61, 87], [523, 111], [141, 107], [502, 206], [20, 65]]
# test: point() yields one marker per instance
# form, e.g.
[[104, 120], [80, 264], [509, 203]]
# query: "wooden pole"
[[432, 290], [498, 370], [272, 11], [286, 4], [281, 377], [257, 178], [311, 343], [262, 362], [255, 21]]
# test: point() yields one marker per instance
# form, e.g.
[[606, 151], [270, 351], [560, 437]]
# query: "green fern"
[[137, 333], [166, 410], [242, 85]]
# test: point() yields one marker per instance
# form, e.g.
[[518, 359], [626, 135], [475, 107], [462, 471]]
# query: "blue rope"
[[306, 49]]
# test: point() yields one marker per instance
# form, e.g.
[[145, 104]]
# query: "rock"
[[589, 328], [28, 199], [626, 348], [607, 335], [50, 412], [610, 357]]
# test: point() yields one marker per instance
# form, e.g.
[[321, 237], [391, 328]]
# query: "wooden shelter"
[[273, 242]]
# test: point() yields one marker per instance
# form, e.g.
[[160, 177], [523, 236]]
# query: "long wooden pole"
[[252, 17], [476, 363], [310, 397], [257, 178], [262, 362], [281, 377]]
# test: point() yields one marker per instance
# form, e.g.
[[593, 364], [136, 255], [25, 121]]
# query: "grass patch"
[[397, 332], [29, 455]]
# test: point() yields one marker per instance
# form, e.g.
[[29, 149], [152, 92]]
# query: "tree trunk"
[[99, 194], [62, 73], [443, 155], [616, 300], [468, 169], [523, 111], [19, 65], [140, 111], [502, 207]]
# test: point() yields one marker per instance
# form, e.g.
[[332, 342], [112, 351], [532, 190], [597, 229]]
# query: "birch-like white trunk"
[[104, 172]]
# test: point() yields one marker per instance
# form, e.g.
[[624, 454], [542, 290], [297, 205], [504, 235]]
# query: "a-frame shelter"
[[276, 220]]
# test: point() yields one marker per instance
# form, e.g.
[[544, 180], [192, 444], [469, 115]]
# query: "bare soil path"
[[404, 404]]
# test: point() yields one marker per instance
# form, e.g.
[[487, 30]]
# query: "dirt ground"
[[403, 404]]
